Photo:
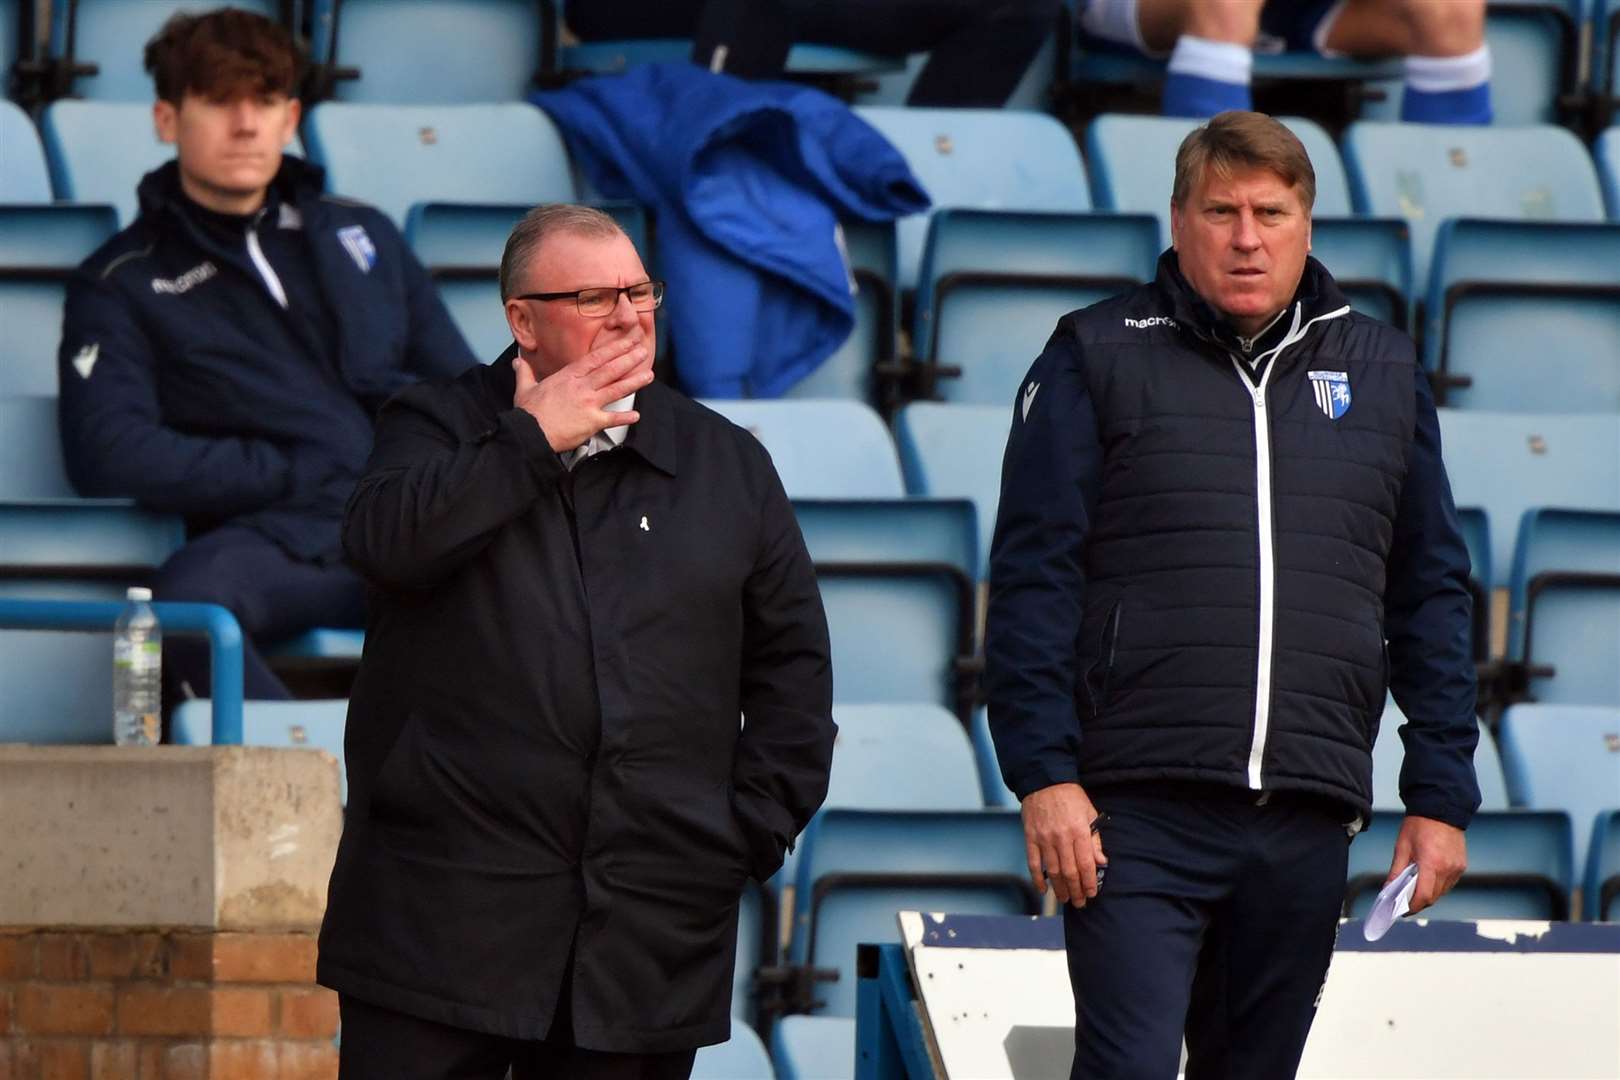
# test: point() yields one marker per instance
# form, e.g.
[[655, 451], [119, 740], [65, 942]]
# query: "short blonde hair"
[[1243, 140]]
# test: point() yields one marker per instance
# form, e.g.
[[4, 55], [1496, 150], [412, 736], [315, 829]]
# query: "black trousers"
[[980, 48], [273, 595], [1217, 919], [378, 1044]]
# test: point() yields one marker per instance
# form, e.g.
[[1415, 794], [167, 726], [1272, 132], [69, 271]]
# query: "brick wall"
[[163, 1005]]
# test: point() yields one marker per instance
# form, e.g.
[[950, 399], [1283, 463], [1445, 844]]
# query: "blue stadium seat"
[[877, 753], [298, 725], [461, 246], [1371, 259], [857, 868], [822, 449], [1564, 605], [24, 177], [1429, 173], [1535, 58], [1602, 881], [321, 647], [896, 532], [1507, 463], [1520, 866], [954, 451], [995, 791], [1607, 150], [814, 1048], [1564, 757], [39, 248], [1389, 752], [805, 60], [993, 284], [57, 687], [394, 156], [1133, 164], [851, 372], [11, 37], [1500, 291], [477, 50], [99, 150], [1606, 56], [110, 36], [980, 159], [758, 929], [742, 1057]]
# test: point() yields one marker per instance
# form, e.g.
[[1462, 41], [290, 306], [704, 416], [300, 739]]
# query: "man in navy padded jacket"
[[223, 357], [1225, 528]]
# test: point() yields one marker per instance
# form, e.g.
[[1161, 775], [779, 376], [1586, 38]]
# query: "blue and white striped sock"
[[1207, 77]]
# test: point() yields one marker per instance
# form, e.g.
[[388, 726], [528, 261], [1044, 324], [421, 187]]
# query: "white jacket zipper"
[[1265, 525], [262, 264]]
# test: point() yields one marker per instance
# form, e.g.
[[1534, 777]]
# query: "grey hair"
[[541, 222]]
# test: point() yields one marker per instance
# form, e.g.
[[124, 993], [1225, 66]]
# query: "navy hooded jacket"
[[189, 385], [1204, 542], [749, 181]]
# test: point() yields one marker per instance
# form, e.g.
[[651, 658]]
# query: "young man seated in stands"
[[223, 357]]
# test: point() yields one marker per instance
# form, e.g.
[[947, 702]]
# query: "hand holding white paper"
[[1394, 900]]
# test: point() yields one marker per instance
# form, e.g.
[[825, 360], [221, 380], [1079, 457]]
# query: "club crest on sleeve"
[[1332, 389], [359, 246]]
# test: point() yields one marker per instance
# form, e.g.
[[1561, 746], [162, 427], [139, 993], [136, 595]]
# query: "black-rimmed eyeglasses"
[[599, 303]]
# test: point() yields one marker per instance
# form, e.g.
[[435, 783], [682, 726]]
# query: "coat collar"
[[653, 437], [1317, 294]]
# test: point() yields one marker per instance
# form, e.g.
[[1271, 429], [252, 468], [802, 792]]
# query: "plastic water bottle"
[[137, 672]]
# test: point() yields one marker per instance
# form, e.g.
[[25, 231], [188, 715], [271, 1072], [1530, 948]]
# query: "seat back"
[[876, 756], [822, 449], [1602, 882], [955, 451], [993, 284], [24, 177], [39, 248], [1507, 463], [741, 1057], [873, 262], [477, 50], [814, 1048], [1519, 866], [297, 725], [1427, 173], [1371, 259], [898, 634], [1501, 291], [995, 791], [394, 156], [984, 159], [1535, 47], [1607, 151], [111, 34], [1132, 160], [1389, 752], [1564, 605], [1564, 757], [890, 532], [858, 868]]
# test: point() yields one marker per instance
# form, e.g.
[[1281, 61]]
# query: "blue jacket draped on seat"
[[748, 182]]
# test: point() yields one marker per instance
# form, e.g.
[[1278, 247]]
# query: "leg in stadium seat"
[[272, 595]]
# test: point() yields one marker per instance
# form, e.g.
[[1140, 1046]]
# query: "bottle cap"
[[138, 594]]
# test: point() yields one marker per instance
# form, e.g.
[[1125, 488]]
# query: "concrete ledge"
[[216, 837]]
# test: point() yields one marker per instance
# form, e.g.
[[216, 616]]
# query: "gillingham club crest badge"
[[1332, 390]]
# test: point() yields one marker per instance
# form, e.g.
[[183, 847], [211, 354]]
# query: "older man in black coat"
[[581, 581]]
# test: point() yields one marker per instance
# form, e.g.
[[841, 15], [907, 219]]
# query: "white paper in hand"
[[1394, 900]]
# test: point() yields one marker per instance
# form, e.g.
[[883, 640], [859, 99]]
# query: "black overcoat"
[[591, 705]]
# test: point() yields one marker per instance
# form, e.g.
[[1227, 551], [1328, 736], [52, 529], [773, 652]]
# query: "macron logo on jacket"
[[186, 281], [1150, 321]]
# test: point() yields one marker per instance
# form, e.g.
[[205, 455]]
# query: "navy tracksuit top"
[[229, 368], [1203, 544]]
